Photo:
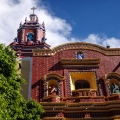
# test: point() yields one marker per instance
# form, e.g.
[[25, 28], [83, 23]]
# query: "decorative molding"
[[85, 67], [72, 61], [77, 46], [80, 63], [50, 75], [112, 75]]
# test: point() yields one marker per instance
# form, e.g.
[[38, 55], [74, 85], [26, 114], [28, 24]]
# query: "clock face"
[[30, 37]]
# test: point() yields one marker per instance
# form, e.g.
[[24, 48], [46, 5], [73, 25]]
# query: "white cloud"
[[103, 41], [58, 31], [112, 42], [92, 38]]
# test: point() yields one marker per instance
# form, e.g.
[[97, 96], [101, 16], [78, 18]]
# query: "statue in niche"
[[115, 88], [53, 90], [43, 40], [80, 55], [16, 39], [30, 37]]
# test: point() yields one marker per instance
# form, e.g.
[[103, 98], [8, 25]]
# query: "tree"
[[12, 104]]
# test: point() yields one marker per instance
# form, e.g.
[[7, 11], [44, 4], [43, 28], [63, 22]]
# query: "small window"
[[81, 84]]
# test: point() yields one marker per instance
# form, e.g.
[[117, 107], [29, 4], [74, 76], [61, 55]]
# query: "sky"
[[94, 21]]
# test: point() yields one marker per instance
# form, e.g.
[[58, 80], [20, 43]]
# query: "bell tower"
[[30, 35]]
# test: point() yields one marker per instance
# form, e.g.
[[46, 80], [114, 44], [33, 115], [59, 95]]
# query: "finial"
[[37, 19], [25, 19], [16, 39], [43, 25], [20, 24], [33, 8]]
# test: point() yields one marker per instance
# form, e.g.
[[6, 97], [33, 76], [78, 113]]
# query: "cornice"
[[77, 46], [78, 63], [86, 61]]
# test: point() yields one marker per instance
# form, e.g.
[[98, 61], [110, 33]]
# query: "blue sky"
[[94, 21], [89, 16]]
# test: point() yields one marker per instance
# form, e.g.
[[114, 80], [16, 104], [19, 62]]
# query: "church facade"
[[73, 81]]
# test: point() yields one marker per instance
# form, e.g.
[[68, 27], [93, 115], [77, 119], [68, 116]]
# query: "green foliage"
[[12, 104]]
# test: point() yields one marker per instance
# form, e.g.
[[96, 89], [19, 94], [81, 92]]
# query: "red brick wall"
[[44, 65], [19, 36]]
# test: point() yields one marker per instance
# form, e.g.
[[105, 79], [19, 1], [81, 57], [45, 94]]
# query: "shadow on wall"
[[101, 87], [56, 66], [116, 67], [39, 87]]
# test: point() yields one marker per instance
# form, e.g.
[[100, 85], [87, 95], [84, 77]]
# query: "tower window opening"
[[30, 37]]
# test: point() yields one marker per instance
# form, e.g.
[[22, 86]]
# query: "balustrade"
[[84, 92]]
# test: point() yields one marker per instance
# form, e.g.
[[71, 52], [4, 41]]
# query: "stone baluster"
[[89, 93], [85, 94], [80, 93], [95, 93]]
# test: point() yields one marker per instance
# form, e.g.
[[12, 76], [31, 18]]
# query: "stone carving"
[[53, 90], [115, 88], [16, 39], [30, 37], [88, 46], [43, 40]]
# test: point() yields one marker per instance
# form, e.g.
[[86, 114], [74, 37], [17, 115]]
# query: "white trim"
[[30, 75]]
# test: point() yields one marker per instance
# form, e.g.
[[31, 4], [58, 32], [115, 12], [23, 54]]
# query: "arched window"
[[86, 85], [30, 37], [78, 85], [81, 84]]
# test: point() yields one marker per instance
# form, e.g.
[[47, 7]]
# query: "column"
[[60, 89], [22, 36], [37, 36], [45, 89], [108, 90]]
